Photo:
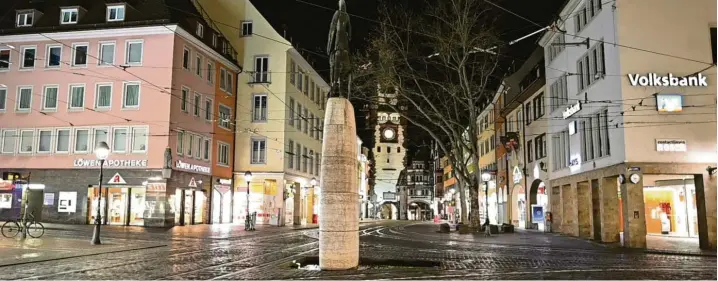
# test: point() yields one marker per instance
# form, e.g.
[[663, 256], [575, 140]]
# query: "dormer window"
[[200, 30], [116, 13], [214, 40], [69, 16], [25, 18]]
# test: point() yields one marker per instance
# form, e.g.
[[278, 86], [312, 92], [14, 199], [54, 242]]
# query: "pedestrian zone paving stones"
[[389, 250]]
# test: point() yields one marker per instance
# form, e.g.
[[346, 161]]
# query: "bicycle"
[[12, 228]]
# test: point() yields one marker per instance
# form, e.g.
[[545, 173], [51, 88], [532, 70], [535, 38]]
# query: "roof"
[[93, 15]]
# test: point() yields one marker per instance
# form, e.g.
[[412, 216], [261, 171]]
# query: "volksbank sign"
[[655, 80]]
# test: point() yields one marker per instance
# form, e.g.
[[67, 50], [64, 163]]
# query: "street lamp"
[[486, 177], [313, 182], [247, 221], [101, 151]]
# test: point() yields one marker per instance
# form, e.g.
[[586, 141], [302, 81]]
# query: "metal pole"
[[98, 217], [486, 191], [247, 218]]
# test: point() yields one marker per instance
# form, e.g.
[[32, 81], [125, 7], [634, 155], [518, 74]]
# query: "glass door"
[[92, 195], [138, 207], [188, 206], [118, 206], [198, 206]]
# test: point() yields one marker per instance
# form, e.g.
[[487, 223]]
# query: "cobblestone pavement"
[[268, 254]]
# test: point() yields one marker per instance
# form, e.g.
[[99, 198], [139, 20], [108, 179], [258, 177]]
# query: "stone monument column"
[[338, 208]]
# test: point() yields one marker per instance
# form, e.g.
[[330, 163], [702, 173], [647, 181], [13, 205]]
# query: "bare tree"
[[442, 63]]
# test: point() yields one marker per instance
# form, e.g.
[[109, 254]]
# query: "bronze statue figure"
[[338, 50], [168, 158]]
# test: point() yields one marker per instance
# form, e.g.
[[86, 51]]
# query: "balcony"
[[260, 77]]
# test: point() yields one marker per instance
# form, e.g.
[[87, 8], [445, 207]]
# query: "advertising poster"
[[67, 202], [49, 199], [537, 214]]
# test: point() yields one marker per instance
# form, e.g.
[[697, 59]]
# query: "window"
[[306, 85], [103, 96], [261, 69], [68, 16], [292, 74], [298, 155], [185, 97], [3, 99], [26, 141], [180, 142], [208, 109], [214, 40], [300, 78], [311, 91], [559, 93], [306, 120], [131, 95], [185, 59], [317, 162], [714, 45], [291, 112], [538, 106], [207, 147], [556, 46], [190, 145], [198, 150], [197, 103], [4, 60], [529, 151], [606, 144], [587, 148], [299, 117], [246, 28], [210, 72], [200, 30], [312, 126], [107, 53], [378, 149], [528, 111], [49, 98], [119, 140], [24, 99], [134, 52], [223, 153], [82, 140], [54, 56], [259, 113], [225, 115], [591, 66], [259, 150], [540, 146], [304, 159], [290, 154], [198, 66], [79, 54], [99, 135], [9, 140], [116, 13], [225, 80], [77, 96], [24, 18], [28, 57], [388, 149], [311, 161], [139, 140], [63, 141]]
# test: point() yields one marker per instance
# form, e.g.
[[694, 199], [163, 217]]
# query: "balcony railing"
[[260, 77]]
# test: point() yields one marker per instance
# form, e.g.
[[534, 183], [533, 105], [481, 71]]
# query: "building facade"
[[419, 178], [132, 84], [527, 123], [629, 153], [280, 113], [488, 191]]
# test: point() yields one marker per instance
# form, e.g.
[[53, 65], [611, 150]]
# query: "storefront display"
[[125, 205]]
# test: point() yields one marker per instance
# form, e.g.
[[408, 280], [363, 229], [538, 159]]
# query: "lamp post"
[[486, 177], [247, 222], [101, 151]]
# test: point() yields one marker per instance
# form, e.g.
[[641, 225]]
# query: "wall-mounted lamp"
[[542, 165], [711, 170]]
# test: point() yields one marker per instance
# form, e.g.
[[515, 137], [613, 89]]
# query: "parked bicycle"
[[12, 228]]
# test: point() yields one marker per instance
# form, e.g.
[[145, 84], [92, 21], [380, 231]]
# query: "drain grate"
[[312, 263]]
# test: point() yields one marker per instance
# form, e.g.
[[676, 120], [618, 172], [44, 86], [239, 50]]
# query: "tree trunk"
[[462, 199], [475, 218]]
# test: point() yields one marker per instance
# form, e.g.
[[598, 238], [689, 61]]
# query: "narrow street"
[[408, 251]]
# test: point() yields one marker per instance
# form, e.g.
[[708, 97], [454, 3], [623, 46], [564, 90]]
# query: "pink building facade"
[[135, 88]]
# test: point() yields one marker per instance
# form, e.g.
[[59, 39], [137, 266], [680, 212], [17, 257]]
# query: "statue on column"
[[338, 50]]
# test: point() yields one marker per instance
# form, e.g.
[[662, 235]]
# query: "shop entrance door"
[[221, 204], [191, 204], [118, 205]]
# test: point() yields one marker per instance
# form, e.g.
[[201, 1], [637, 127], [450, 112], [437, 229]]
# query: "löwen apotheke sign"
[[655, 80], [192, 167], [110, 163]]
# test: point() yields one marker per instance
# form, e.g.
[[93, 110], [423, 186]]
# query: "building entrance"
[[118, 205], [189, 206]]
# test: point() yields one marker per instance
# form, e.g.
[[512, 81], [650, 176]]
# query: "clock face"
[[389, 134], [635, 178]]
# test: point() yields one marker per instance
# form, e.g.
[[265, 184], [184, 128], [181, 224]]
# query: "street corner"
[[29, 250]]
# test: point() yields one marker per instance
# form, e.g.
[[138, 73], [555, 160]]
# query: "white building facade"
[[614, 145]]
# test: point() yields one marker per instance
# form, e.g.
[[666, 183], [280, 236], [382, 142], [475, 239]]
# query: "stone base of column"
[[339, 208]]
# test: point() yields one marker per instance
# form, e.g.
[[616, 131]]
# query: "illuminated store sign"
[[192, 167], [671, 145], [655, 80], [669, 103], [94, 163], [571, 110]]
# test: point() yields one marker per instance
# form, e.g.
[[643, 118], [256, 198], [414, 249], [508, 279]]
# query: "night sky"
[[306, 23]]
